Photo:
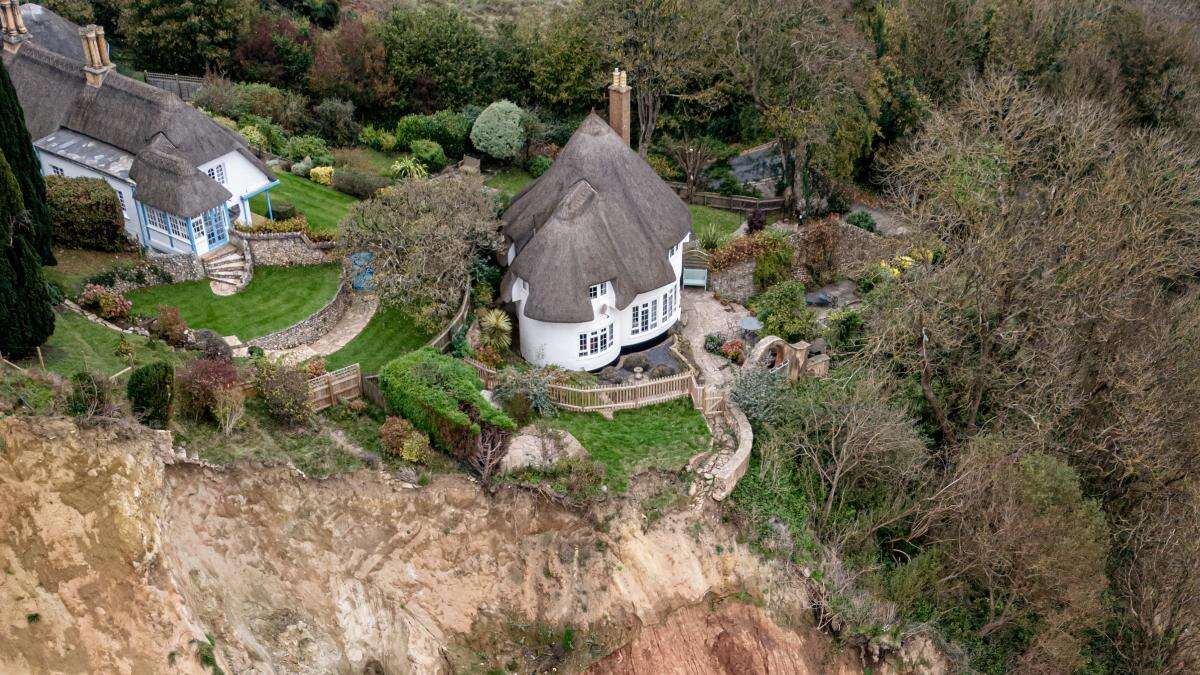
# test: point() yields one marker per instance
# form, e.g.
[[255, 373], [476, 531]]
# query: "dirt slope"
[[128, 558]]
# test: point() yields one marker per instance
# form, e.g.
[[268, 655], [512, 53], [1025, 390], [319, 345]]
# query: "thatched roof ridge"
[[52, 32], [599, 214]]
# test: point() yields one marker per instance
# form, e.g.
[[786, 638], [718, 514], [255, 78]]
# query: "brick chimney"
[[618, 104], [13, 25], [95, 54]]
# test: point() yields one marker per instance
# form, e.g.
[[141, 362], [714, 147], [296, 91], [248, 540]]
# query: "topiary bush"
[[400, 438], [282, 210], [91, 394], [440, 396], [499, 130], [358, 183], [538, 165], [151, 392], [862, 219], [87, 214], [430, 154]]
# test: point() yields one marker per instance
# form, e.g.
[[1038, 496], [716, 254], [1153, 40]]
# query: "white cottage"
[[181, 178], [595, 249]]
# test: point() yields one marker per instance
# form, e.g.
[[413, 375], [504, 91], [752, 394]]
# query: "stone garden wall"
[[734, 283], [156, 270], [286, 248], [310, 329]]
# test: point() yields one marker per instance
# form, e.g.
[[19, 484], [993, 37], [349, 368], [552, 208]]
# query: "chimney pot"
[[13, 25], [619, 105], [95, 54]]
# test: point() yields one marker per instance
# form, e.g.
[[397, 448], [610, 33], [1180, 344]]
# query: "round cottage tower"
[[595, 253]]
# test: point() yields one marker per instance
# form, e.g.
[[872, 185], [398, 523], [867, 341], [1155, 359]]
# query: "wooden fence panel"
[[331, 388]]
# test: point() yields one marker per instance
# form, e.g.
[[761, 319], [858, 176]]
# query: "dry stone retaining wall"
[[310, 329], [285, 248]]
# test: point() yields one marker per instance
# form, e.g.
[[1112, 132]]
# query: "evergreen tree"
[[17, 146], [26, 319], [183, 36]]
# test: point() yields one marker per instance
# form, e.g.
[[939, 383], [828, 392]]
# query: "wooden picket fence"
[[334, 387], [728, 203], [611, 397]]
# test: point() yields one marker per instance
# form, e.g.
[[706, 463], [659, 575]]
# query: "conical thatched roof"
[[599, 214], [170, 183]]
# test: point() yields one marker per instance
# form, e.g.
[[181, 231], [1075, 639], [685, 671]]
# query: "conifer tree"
[[26, 319], [17, 146]]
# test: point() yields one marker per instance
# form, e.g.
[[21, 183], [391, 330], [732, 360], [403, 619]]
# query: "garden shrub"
[[284, 390], [91, 394], [739, 249], [765, 397], [272, 136], [254, 137], [322, 175], [212, 344], [499, 131], [838, 201], [302, 167], [845, 329], [335, 118], [495, 329], [664, 166], [772, 264], [783, 312], [358, 183], [400, 438], [661, 370], [440, 396], [635, 361], [105, 302], [711, 238], [377, 139], [306, 148], [169, 327], [151, 392], [756, 220], [612, 375], [86, 214], [713, 342], [229, 405], [413, 128], [430, 154], [137, 274], [538, 165], [200, 384], [862, 219], [298, 223], [524, 393], [445, 127], [734, 350]]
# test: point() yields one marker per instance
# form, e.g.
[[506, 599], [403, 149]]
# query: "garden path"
[[704, 314], [358, 315]]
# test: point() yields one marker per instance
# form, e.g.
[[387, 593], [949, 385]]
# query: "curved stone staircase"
[[227, 270]]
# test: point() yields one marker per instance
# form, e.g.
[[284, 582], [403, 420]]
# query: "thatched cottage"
[[181, 178], [595, 249]]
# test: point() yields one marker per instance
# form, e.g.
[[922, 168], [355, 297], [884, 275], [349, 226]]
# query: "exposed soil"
[[118, 558]]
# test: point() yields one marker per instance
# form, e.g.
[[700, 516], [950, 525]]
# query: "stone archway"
[[775, 353]]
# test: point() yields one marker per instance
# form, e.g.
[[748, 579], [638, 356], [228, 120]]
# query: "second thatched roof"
[[600, 213]]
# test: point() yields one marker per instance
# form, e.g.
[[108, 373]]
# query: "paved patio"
[[703, 314]]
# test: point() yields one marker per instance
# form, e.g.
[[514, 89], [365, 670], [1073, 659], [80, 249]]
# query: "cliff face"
[[118, 559]]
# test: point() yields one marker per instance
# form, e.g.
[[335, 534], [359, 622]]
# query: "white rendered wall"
[[544, 343], [72, 170], [241, 178]]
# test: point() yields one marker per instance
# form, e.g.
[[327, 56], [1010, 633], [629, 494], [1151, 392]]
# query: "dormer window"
[[598, 290], [671, 253]]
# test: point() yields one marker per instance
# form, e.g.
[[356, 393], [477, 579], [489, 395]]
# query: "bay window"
[[596, 341]]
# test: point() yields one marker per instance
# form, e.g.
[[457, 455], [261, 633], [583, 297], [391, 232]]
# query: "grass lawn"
[[724, 222], [78, 344], [276, 298], [75, 265], [663, 436], [324, 206], [389, 334], [510, 181]]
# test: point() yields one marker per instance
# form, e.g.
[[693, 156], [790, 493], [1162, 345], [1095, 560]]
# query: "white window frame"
[[668, 303], [57, 170], [645, 317], [121, 198], [596, 342], [217, 173], [598, 290]]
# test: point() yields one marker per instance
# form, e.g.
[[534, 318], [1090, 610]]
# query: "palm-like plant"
[[495, 329], [406, 168]]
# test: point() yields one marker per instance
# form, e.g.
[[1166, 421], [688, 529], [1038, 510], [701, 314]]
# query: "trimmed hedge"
[[430, 154], [445, 127], [86, 214], [499, 130], [440, 396], [151, 392], [358, 183]]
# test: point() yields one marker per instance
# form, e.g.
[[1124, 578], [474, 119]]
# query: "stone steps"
[[226, 269]]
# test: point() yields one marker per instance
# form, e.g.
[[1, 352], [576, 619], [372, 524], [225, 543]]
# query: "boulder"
[[540, 448]]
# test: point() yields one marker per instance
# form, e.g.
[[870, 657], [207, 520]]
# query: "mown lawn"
[[389, 334], [724, 222], [663, 436], [276, 298], [510, 181], [323, 206], [78, 344], [76, 265]]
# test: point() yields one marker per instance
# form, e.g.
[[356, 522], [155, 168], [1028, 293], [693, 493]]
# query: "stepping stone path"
[[358, 315]]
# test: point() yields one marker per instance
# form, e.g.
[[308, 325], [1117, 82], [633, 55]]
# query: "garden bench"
[[695, 277]]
